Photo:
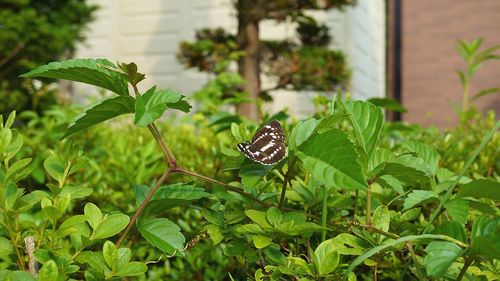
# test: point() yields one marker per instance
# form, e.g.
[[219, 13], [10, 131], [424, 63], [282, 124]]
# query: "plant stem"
[[369, 206], [371, 228], [226, 186], [141, 207], [324, 212], [285, 182], [468, 262], [465, 98], [409, 246]]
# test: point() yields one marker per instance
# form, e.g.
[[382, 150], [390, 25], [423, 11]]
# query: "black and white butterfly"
[[267, 146]]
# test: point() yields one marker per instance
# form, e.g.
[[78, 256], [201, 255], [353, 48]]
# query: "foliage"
[[474, 58], [33, 33], [339, 206], [306, 64]]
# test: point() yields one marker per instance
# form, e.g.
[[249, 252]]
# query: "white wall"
[[149, 32]]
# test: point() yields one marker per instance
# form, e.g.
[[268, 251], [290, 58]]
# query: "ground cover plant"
[[341, 205]]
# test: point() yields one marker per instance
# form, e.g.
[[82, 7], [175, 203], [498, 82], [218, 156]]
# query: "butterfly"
[[267, 146]]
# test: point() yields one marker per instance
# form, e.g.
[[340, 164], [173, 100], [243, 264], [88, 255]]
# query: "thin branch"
[[142, 206], [226, 186], [468, 262], [285, 182], [369, 206]]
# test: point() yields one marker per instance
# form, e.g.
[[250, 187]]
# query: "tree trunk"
[[249, 64]]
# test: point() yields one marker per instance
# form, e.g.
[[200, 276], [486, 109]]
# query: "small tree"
[[307, 64], [32, 33]]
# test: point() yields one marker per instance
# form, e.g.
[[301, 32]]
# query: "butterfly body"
[[267, 146]]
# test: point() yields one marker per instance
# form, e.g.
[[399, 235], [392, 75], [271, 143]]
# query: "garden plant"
[[351, 199]]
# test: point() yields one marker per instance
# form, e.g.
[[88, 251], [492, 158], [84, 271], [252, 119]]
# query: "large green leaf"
[[163, 234], [325, 258], [90, 71], [251, 172], [406, 168], [331, 159], [100, 112], [367, 120], [426, 152], [150, 106], [440, 255], [167, 196], [453, 229], [483, 188]]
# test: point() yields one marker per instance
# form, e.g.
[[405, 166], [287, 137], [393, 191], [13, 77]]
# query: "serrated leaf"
[[453, 229], [440, 255], [89, 71], [150, 106], [301, 132], [482, 188], [100, 112], [407, 169], [418, 197], [331, 158], [426, 152], [367, 120], [457, 209], [163, 234]]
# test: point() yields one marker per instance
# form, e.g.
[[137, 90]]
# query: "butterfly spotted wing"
[[267, 146]]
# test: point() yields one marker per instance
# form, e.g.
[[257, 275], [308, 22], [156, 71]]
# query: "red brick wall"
[[429, 60]]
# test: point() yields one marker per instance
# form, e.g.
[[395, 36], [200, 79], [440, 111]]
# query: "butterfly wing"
[[272, 129], [267, 146]]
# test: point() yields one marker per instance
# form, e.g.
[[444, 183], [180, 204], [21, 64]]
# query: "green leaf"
[[326, 258], [163, 234], [124, 255], [453, 229], [110, 254], [388, 181], [418, 197], [10, 196], [484, 238], [5, 247], [301, 132], [258, 217], [261, 241], [348, 244], [17, 167], [392, 243], [168, 196], [93, 214], [426, 152], [49, 271], [457, 209], [331, 158], [381, 219], [367, 120], [134, 268], [389, 104], [76, 192], [55, 167], [440, 255], [111, 225], [89, 71], [407, 169], [215, 233], [150, 106], [251, 173], [100, 112], [23, 276], [275, 255], [485, 92], [69, 225], [482, 188]]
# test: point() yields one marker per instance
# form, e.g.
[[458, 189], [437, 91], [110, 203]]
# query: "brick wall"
[[429, 34]]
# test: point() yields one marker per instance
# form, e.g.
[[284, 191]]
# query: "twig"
[[226, 186], [467, 263], [29, 245], [141, 207]]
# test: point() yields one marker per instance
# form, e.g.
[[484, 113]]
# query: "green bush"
[[340, 205], [33, 33]]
